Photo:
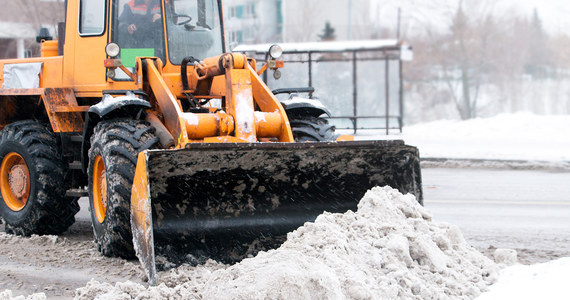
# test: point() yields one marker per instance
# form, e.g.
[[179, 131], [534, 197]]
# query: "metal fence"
[[360, 82]]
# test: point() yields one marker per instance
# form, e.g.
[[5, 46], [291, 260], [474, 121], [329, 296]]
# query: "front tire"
[[115, 145], [312, 129], [32, 181]]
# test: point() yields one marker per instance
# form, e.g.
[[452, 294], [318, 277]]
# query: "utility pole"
[[349, 19], [399, 21]]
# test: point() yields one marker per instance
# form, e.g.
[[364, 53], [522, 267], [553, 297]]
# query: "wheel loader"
[[182, 149]]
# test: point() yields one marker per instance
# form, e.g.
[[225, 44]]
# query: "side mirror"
[[43, 35]]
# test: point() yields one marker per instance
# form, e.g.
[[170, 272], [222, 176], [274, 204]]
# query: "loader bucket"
[[220, 201]]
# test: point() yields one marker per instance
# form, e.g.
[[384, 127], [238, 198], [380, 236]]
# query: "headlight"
[[111, 74], [275, 51], [277, 74], [113, 50]]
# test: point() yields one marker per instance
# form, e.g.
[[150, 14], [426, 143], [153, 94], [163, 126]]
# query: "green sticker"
[[129, 56]]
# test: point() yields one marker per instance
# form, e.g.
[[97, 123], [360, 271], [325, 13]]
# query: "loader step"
[[77, 138], [75, 165], [77, 193]]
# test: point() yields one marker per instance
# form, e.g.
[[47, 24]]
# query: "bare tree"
[[487, 59], [463, 54], [29, 16], [467, 57], [42, 13]]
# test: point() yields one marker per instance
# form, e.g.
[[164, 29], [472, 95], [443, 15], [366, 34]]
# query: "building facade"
[[253, 21], [268, 21]]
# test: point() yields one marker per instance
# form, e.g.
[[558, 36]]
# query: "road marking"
[[498, 202]]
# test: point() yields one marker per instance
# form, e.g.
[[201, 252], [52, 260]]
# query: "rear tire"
[[32, 179], [115, 145], [312, 129]]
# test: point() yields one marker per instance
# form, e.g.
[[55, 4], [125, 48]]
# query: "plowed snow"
[[390, 248]]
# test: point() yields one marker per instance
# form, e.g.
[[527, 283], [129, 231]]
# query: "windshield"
[[139, 30], [193, 29]]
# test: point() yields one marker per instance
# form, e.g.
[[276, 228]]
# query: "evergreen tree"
[[328, 33], [538, 51]]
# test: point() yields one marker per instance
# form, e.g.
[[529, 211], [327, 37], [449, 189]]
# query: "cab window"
[[91, 17], [138, 30]]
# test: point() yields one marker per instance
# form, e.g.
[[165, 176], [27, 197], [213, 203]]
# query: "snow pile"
[[541, 281], [8, 295], [390, 248]]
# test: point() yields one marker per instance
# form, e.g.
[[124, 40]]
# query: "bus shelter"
[[360, 82]]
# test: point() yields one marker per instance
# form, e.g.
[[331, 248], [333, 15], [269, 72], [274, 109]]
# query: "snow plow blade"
[[220, 200]]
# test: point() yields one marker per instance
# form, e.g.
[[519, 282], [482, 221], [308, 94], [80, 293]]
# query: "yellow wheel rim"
[[15, 181], [99, 189]]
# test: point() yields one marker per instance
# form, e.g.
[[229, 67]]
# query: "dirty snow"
[[8, 295], [389, 249], [505, 256]]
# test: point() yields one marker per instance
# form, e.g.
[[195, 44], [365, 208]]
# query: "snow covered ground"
[[541, 281], [521, 136], [314, 253]]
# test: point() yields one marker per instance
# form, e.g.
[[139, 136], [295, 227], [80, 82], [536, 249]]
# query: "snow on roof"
[[17, 30], [325, 46]]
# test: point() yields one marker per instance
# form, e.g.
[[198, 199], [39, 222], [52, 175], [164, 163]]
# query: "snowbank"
[[389, 249], [522, 136]]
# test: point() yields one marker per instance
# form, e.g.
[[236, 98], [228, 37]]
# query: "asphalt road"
[[528, 211], [524, 210]]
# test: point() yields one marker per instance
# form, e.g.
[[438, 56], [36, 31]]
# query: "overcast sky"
[[555, 14]]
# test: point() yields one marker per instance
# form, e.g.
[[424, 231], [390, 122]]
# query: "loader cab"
[[168, 29]]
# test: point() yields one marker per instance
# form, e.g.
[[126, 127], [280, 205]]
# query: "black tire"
[[118, 143], [47, 210], [312, 129]]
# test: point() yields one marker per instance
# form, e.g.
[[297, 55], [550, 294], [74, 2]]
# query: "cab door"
[[89, 53]]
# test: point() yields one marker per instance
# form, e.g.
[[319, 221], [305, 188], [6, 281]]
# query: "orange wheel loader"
[[184, 152]]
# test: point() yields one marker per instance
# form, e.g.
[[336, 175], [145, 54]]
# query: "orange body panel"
[[51, 75], [218, 88], [63, 111], [49, 48]]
